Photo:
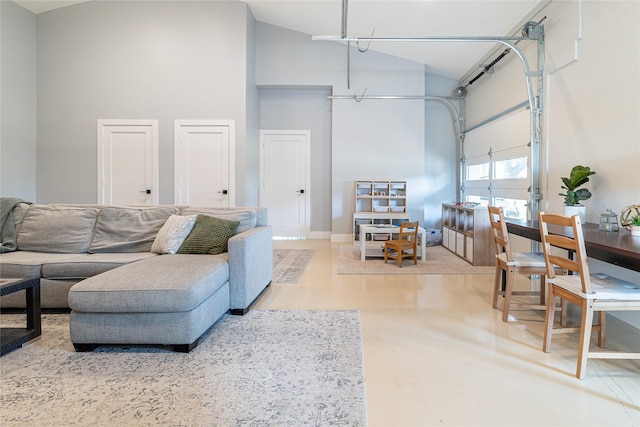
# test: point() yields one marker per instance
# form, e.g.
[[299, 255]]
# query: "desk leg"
[[33, 309], [423, 245], [363, 243]]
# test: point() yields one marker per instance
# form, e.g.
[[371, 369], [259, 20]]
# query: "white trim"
[[341, 238], [319, 235]]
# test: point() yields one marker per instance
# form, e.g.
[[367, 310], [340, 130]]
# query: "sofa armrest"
[[250, 266]]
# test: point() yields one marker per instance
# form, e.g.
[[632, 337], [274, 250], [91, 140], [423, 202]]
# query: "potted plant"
[[574, 195], [635, 225]]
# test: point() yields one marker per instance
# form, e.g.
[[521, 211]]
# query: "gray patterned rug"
[[267, 368], [290, 264]]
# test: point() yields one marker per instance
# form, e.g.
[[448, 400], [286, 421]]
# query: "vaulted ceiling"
[[392, 19]]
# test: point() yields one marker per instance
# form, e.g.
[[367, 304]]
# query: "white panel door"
[[204, 163], [127, 162], [284, 173]]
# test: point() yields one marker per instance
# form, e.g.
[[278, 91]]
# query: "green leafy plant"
[[635, 220], [578, 177]]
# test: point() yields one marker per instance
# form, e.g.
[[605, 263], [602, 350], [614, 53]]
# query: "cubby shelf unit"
[[379, 202], [466, 231]]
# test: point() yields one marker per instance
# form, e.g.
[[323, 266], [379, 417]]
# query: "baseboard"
[[341, 238], [319, 235]]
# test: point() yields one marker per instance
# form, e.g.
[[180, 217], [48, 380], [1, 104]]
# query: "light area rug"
[[439, 261], [290, 264], [267, 368]]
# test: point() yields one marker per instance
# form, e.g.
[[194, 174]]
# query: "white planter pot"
[[635, 230], [579, 210]]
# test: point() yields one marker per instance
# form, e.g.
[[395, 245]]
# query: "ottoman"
[[166, 300]]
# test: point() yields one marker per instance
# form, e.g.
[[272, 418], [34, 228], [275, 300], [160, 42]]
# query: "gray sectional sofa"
[[116, 268]]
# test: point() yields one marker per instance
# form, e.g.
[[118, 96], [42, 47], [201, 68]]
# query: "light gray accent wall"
[[373, 139], [381, 140], [251, 176], [442, 149], [591, 106], [305, 109], [136, 60], [18, 112]]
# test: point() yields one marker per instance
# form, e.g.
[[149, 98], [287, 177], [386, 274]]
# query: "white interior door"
[[204, 163], [127, 162], [284, 174]]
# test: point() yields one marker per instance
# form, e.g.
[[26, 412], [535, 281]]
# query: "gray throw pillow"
[[247, 218], [57, 229]]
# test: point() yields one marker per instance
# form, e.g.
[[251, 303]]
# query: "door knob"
[[146, 191], [222, 192], [300, 191]]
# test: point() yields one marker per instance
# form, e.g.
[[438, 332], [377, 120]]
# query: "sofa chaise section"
[[167, 300]]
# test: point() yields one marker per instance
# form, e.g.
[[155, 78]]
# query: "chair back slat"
[[572, 242], [563, 263], [408, 230], [499, 232]]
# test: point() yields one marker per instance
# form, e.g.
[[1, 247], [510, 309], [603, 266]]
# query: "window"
[[497, 167], [481, 200], [478, 172], [511, 168], [513, 208]]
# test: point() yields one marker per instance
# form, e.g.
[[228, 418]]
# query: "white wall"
[[442, 152], [139, 60], [179, 60], [591, 102], [306, 109], [250, 178], [377, 140], [18, 102], [373, 139]]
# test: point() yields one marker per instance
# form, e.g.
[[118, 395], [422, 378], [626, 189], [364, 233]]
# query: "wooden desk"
[[618, 248]]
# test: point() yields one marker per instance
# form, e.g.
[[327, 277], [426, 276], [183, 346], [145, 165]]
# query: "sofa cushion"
[[57, 229], [86, 265], [128, 229], [172, 234], [209, 236], [245, 216], [159, 284], [28, 264]]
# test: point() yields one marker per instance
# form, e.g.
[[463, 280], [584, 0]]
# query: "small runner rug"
[[290, 264], [439, 261], [266, 368]]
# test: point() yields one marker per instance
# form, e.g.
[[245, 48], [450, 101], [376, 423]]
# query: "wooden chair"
[[593, 293], [512, 263], [406, 244]]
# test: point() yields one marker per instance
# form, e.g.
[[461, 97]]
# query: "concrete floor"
[[437, 354]]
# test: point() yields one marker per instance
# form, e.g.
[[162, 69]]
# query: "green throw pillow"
[[208, 236]]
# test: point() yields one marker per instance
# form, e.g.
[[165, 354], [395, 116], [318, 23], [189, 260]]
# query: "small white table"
[[388, 229]]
